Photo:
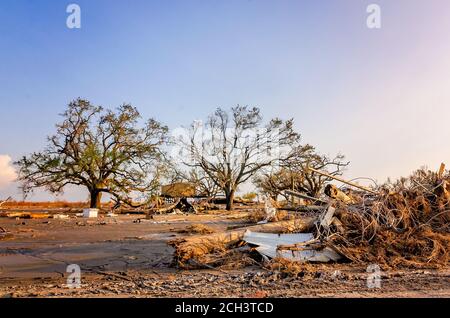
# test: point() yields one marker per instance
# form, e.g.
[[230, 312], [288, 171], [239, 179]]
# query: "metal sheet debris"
[[327, 218], [268, 244]]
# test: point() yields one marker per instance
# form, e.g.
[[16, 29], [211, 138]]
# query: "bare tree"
[[274, 183], [203, 183], [232, 146], [294, 174], [102, 150]]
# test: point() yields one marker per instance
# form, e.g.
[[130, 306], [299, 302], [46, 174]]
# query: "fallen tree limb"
[[303, 208], [304, 196], [168, 208], [343, 181], [181, 204], [27, 215]]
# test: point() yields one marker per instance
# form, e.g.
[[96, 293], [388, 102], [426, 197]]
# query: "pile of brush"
[[406, 224], [401, 224]]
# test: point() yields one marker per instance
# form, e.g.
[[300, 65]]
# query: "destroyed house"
[[178, 190]]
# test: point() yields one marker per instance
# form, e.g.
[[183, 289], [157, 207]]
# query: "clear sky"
[[379, 96]]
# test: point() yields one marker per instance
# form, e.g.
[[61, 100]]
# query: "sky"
[[379, 96]]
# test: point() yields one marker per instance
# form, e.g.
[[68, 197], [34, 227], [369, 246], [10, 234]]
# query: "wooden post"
[[304, 196], [441, 171]]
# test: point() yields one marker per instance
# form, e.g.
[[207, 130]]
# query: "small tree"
[[235, 145], [102, 150], [293, 173]]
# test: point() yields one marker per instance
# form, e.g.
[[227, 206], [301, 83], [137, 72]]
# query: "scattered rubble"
[[27, 215], [277, 279], [4, 234], [295, 247], [396, 225], [402, 224], [180, 205], [197, 229], [270, 210], [196, 251]]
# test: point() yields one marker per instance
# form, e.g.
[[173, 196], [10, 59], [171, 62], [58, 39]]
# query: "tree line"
[[119, 153]]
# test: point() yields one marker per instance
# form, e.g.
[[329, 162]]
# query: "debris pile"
[[206, 250], [406, 224], [398, 224], [179, 206], [288, 246]]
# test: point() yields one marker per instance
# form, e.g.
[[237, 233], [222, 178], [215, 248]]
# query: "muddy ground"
[[127, 256]]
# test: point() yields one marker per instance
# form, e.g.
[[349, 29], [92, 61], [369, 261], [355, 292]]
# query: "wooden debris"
[[303, 208], [167, 208], [197, 229], [404, 225], [335, 193], [304, 196], [196, 247], [28, 215], [342, 180], [441, 171], [181, 204]]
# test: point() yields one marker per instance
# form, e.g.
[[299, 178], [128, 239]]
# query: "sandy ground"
[[125, 257]]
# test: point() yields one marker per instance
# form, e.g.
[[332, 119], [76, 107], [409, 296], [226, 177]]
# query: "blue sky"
[[378, 96]]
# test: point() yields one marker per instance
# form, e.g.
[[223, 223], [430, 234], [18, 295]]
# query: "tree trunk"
[[229, 194], [96, 197]]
